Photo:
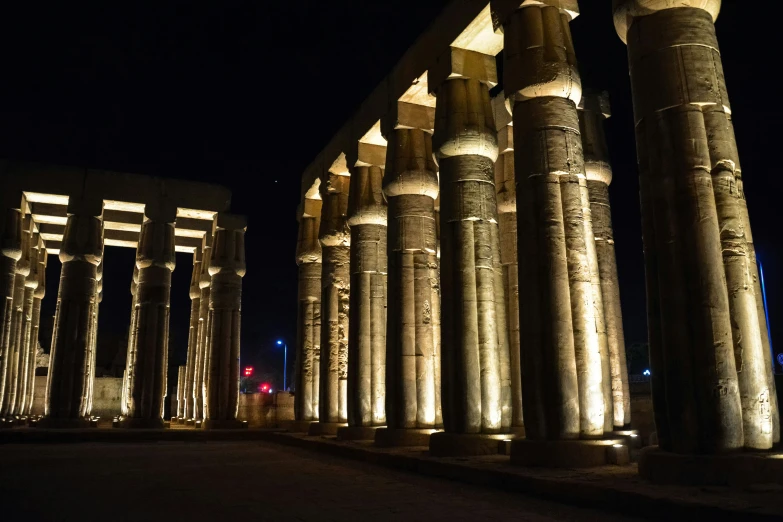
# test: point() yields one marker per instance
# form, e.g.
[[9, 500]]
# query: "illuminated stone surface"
[[593, 110], [308, 341], [413, 325], [710, 362], [367, 305], [227, 267], [185, 389], [11, 254], [155, 261], [202, 353]]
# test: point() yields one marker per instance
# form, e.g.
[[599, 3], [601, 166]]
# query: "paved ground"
[[242, 481]]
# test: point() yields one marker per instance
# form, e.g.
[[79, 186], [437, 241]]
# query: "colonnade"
[[212, 383], [515, 329]]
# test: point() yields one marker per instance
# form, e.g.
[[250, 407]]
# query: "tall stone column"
[[369, 267], [476, 364], [11, 253], [89, 376], [335, 238], [80, 255], [130, 359], [225, 311], [12, 399], [413, 405], [308, 344], [40, 292], [155, 261], [594, 109], [179, 414], [713, 391], [506, 190], [188, 383], [28, 344], [202, 353]]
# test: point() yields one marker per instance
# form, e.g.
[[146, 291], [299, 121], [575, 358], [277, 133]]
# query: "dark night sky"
[[245, 94]]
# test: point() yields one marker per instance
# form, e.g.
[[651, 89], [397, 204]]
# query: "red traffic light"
[[264, 387], [248, 371]]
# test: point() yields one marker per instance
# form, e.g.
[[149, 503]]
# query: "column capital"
[[156, 245], [625, 11], [82, 240], [503, 9], [228, 250], [43, 255]]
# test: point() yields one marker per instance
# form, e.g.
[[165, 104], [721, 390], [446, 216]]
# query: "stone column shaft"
[[594, 108], [413, 321], [505, 187], [180, 392], [10, 255], [476, 365], [225, 310], [130, 359], [367, 322], [308, 344], [155, 260], [188, 384], [27, 347], [561, 321], [335, 241], [40, 291], [202, 353], [715, 394], [80, 255], [89, 376]]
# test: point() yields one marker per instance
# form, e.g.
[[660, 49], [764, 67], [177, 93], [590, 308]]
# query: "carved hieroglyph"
[[711, 367]]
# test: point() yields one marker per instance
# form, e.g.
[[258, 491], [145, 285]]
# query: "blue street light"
[[285, 362]]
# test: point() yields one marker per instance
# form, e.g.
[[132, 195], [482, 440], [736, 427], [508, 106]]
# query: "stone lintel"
[[506, 139], [480, 35], [502, 9], [595, 101], [311, 208], [501, 109], [409, 116], [228, 221], [339, 166], [462, 63], [369, 150]]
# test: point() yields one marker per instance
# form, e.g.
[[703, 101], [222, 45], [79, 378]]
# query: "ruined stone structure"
[[503, 304], [75, 213]]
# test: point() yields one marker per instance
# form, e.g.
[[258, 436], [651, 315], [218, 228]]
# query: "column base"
[[737, 470], [6, 424], [324, 428], [630, 437], [404, 437], [190, 422], [569, 453], [64, 424], [296, 426], [444, 444], [140, 424], [357, 433], [233, 424]]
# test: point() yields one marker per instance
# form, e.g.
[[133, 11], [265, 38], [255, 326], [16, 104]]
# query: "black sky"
[[245, 94]]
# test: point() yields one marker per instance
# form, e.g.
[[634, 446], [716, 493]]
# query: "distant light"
[[646, 372], [634, 435], [271, 390], [248, 371], [617, 446], [279, 343]]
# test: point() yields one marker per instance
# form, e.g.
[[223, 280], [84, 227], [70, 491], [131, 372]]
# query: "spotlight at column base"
[[64, 424], [392, 437], [736, 470], [140, 424], [233, 424], [324, 428], [569, 453], [467, 444], [357, 433], [630, 438], [296, 426]]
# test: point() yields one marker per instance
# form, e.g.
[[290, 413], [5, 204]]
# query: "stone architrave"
[[712, 388], [130, 359], [561, 321], [80, 255], [202, 353], [40, 292], [369, 268], [28, 344], [12, 399], [505, 188], [476, 367], [335, 238], [10, 254], [308, 344], [186, 387], [227, 268], [413, 371], [593, 110], [156, 261]]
